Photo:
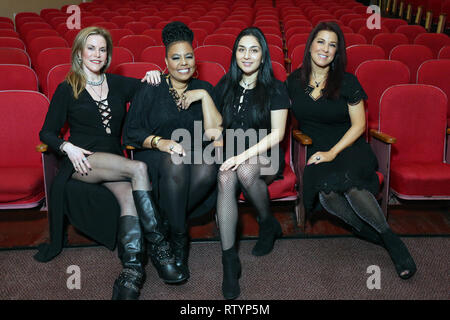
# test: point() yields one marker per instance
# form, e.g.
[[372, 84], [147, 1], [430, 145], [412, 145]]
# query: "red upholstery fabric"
[[434, 41], [436, 73], [354, 38], [416, 115], [135, 69], [55, 76], [117, 34], [421, 179], [215, 53], [444, 53], [359, 53], [120, 55], [21, 169], [209, 71], [226, 40], [296, 56], [46, 60], [279, 71], [136, 43], [155, 34], [388, 41], [276, 54], [371, 33], [14, 56], [388, 73], [138, 27], [11, 42], [38, 44], [412, 55], [411, 31], [156, 55], [393, 24], [17, 77]]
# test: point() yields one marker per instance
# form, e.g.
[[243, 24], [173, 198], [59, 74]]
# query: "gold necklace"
[[174, 93]]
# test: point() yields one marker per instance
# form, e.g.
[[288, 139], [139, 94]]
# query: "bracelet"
[[155, 141], [62, 146]]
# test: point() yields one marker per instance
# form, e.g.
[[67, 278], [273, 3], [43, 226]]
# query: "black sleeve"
[[352, 90], [293, 83], [134, 131], [56, 117], [280, 97], [129, 86], [218, 94]]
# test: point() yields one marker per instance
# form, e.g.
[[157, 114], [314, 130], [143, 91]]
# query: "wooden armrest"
[[382, 136], [301, 137], [287, 60], [130, 148], [42, 147], [448, 130]]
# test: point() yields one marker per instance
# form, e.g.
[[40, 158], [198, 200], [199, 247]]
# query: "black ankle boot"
[[403, 262], [180, 246], [369, 234], [130, 250], [231, 274], [159, 248], [269, 230]]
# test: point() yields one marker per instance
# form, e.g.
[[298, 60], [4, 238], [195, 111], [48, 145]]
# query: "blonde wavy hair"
[[76, 76]]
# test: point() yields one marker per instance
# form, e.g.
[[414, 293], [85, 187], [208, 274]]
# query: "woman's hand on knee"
[[171, 147], [232, 163], [320, 157], [78, 158]]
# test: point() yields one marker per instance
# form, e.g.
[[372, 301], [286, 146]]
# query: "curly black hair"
[[176, 31]]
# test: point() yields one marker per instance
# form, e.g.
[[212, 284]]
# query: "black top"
[[242, 114], [90, 207], [326, 121], [154, 112]]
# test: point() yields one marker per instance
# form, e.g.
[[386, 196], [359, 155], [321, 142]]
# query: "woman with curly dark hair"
[[162, 123]]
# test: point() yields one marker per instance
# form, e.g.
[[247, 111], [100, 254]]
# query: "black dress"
[[91, 208], [154, 112], [326, 121], [242, 115]]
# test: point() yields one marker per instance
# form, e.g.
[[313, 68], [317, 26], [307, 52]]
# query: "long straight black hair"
[[337, 67], [260, 112]]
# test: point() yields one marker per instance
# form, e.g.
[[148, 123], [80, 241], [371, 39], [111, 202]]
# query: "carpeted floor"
[[298, 269]]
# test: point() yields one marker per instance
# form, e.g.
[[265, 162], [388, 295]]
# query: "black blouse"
[[154, 112]]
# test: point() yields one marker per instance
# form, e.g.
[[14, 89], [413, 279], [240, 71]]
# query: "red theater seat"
[[21, 176]]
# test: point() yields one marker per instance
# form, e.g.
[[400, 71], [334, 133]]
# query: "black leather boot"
[[130, 250], [269, 231], [180, 246], [231, 273], [161, 254]]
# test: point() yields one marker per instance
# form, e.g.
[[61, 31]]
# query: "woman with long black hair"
[[251, 101]]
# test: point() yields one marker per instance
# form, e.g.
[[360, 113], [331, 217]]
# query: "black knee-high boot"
[[130, 250], [269, 230], [180, 246], [231, 273], [160, 252]]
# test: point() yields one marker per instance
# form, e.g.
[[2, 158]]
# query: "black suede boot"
[[180, 246], [231, 273], [130, 250], [403, 262], [161, 254], [269, 230]]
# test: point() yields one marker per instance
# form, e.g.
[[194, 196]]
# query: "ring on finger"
[[318, 158], [171, 147]]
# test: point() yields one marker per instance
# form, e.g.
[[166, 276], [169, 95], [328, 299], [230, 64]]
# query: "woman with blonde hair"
[[93, 168]]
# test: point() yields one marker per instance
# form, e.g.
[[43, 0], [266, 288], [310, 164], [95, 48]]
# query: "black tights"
[[182, 187], [120, 175], [356, 207], [254, 185]]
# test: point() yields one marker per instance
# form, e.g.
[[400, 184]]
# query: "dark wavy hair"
[[337, 68], [264, 85], [176, 31]]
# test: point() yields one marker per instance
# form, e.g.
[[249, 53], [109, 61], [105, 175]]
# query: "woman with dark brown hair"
[[340, 174]]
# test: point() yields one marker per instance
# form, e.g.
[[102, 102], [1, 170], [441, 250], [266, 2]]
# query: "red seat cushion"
[[421, 179], [21, 184]]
